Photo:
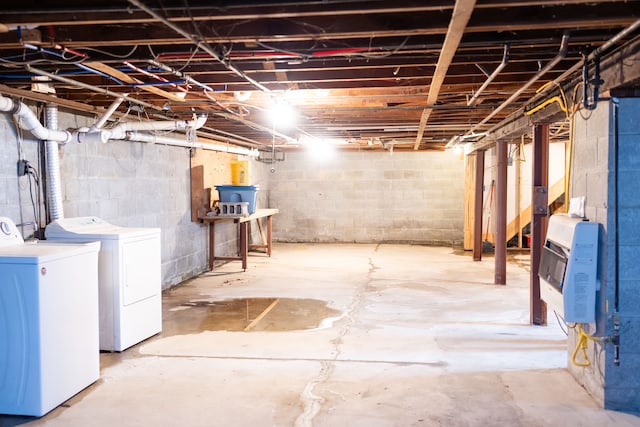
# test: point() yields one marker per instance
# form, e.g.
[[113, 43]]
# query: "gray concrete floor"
[[412, 336]]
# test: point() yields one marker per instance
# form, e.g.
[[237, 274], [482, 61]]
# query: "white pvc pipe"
[[120, 131], [27, 120], [107, 114], [6, 104], [155, 139]]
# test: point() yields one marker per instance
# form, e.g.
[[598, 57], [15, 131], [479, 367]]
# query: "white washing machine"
[[130, 288], [48, 322]]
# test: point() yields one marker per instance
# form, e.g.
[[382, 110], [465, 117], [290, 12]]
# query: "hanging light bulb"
[[282, 114]]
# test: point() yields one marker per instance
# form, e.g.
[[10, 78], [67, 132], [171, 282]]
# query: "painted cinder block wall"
[[368, 197], [622, 387], [614, 387], [127, 184]]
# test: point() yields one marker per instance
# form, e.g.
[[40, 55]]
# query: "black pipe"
[[590, 103]]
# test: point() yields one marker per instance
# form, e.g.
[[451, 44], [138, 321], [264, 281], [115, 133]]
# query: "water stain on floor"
[[248, 315]]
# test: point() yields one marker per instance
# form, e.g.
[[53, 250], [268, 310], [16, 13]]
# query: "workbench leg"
[[269, 233], [243, 244], [212, 244]]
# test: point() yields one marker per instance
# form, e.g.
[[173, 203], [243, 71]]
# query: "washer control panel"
[[9, 233]]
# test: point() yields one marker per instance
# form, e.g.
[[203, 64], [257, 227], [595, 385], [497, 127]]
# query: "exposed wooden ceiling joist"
[[459, 19], [356, 70]]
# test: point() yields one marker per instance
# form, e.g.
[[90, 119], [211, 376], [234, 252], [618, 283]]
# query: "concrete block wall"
[[15, 197], [614, 387], [369, 197], [127, 184], [622, 391], [135, 185], [589, 178]]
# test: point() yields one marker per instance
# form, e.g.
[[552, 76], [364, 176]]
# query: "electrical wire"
[[112, 55], [581, 346], [201, 36], [561, 323], [197, 29], [35, 203], [40, 61]]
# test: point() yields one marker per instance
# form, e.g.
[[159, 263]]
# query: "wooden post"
[[477, 206], [500, 277], [469, 197]]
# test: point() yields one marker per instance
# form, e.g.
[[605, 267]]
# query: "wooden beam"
[[500, 247], [461, 14], [127, 16], [40, 97], [131, 80], [477, 205]]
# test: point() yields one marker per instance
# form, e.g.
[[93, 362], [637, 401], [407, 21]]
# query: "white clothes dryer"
[[130, 289], [48, 322]]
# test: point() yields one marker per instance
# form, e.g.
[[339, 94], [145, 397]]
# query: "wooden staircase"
[[555, 191]]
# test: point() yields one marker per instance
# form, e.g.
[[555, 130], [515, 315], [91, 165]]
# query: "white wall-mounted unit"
[[48, 322], [569, 267], [129, 277]]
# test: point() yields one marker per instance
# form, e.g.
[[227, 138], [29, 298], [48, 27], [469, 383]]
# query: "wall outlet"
[[22, 167]]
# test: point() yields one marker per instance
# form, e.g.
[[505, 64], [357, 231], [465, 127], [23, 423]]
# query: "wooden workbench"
[[244, 245]]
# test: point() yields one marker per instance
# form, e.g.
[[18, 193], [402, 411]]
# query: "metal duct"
[[54, 183]]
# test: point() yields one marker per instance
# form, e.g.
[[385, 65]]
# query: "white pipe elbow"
[[28, 121], [6, 104], [199, 121]]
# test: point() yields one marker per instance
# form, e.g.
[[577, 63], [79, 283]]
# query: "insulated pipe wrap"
[[54, 184]]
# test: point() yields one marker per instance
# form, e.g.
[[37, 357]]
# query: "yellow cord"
[[582, 344], [561, 100]]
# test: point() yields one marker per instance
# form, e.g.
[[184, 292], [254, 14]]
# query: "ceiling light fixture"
[[282, 114]]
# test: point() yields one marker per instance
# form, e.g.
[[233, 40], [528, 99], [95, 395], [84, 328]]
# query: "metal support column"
[[500, 277], [477, 206], [539, 213]]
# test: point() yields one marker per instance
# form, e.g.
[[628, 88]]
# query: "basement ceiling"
[[411, 75]]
